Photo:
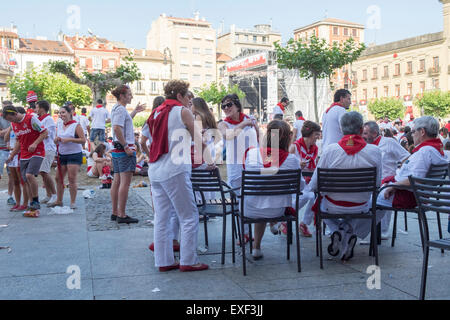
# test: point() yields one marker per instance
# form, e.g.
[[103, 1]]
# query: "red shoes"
[[304, 231], [168, 268], [176, 247], [192, 268]]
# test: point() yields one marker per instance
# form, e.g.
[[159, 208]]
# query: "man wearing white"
[[386, 124], [298, 125], [350, 152], [99, 116], [84, 122], [428, 151], [331, 129], [392, 153], [278, 110]]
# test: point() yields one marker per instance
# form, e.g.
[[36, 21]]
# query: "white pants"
[[175, 194], [306, 199], [386, 221]]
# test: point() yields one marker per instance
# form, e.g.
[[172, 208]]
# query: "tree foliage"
[[387, 107], [316, 59], [100, 83], [215, 92], [55, 88], [435, 103]]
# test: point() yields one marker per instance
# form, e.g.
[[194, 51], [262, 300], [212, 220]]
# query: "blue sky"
[[129, 21]]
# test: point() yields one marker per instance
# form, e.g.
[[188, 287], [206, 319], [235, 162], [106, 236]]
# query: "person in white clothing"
[[447, 150], [171, 130], [386, 124], [392, 154], [42, 109], [298, 124], [349, 153], [279, 109], [85, 124], [99, 117], [331, 129]]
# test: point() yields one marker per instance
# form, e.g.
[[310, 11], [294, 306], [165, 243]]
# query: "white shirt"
[[391, 153], [331, 127], [385, 125], [277, 110], [99, 117], [68, 132], [84, 122], [335, 157], [121, 118], [50, 125], [298, 124]]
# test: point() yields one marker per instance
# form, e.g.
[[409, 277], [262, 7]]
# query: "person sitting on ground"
[[350, 152], [97, 162]]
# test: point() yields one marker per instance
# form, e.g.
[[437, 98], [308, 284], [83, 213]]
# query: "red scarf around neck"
[[242, 117], [43, 116], [301, 118], [281, 106], [310, 154], [352, 144], [435, 143], [99, 106], [333, 105], [83, 114], [159, 128], [269, 157], [377, 141], [69, 122]]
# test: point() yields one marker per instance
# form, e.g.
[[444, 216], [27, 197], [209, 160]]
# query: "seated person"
[[99, 163], [350, 152]]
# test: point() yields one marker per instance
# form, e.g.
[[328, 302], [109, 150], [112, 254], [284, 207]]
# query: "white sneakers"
[[49, 200], [257, 254]]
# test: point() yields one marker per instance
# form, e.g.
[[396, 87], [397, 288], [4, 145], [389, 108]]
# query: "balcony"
[[435, 71]]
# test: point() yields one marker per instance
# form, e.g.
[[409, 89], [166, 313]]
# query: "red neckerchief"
[[352, 144], [377, 141], [333, 105], [43, 116], [99, 106], [242, 117], [310, 154], [74, 114], [30, 111], [281, 106], [386, 121], [435, 143], [69, 123], [83, 114], [159, 128], [267, 158], [301, 118]]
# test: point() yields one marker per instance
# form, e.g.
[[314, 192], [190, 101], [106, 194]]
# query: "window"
[[139, 87], [184, 63], [208, 51], [82, 62], [255, 39], [364, 76], [153, 87], [209, 38], [355, 32], [397, 90], [183, 35], [183, 50], [386, 91], [435, 64], [209, 77], [386, 72], [409, 89], [196, 77], [208, 64], [397, 69], [196, 50], [97, 63], [184, 76], [197, 36], [336, 31], [364, 94], [264, 39], [196, 63], [375, 93], [111, 63], [436, 83], [422, 65], [9, 43], [409, 67], [375, 74], [345, 31], [236, 38], [246, 38], [422, 87]]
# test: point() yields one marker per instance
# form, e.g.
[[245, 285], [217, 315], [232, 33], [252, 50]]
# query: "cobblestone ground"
[[98, 211]]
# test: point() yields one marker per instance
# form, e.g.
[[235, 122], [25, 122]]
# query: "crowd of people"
[[182, 134]]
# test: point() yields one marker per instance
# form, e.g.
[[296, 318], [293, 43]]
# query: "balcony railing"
[[434, 71]]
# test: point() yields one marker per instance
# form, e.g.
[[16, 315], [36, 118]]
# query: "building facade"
[[234, 42], [190, 44], [404, 69], [9, 45]]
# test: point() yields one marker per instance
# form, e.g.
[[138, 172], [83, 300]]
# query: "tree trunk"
[[96, 94], [316, 111]]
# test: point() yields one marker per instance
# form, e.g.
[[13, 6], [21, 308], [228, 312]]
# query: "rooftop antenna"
[[90, 32], [326, 14]]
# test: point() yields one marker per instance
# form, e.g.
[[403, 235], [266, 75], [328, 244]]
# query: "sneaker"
[[53, 198], [11, 201], [351, 245], [385, 236], [45, 200], [333, 248], [303, 228], [54, 204], [274, 229], [73, 206], [113, 217], [14, 208], [127, 220], [168, 268], [257, 254], [192, 268], [34, 205], [103, 177], [19, 208]]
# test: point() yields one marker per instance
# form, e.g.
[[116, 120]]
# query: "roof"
[[188, 20], [9, 34], [43, 46], [332, 21], [223, 57], [149, 54], [89, 41]]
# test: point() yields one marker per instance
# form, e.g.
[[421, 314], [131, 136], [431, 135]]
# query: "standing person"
[[171, 184], [124, 152], [30, 135], [298, 124], [69, 138], [448, 126], [4, 153], [42, 109], [31, 100], [71, 107], [278, 110], [331, 128], [85, 124], [99, 117]]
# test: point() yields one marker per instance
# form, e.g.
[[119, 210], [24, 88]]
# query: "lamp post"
[[167, 50]]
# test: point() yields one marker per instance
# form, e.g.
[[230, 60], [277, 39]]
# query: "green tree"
[[390, 107], [55, 88], [434, 103], [316, 59], [100, 83], [139, 121], [215, 92]]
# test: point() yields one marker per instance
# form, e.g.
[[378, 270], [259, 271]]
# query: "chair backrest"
[[259, 183], [206, 180], [347, 180], [438, 171], [431, 194]]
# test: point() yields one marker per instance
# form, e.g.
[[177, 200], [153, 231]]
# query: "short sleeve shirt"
[[120, 117]]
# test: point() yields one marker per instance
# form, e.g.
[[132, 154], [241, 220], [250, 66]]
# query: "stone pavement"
[[115, 262]]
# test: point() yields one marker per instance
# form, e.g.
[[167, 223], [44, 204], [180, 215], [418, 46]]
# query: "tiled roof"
[[331, 21], [151, 54], [223, 57], [9, 34], [44, 46], [88, 42]]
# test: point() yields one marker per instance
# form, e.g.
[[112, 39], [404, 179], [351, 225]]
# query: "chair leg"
[[423, 282], [289, 239], [233, 231], [298, 247], [394, 229], [324, 228], [320, 247], [375, 240], [379, 234], [438, 216], [205, 225], [224, 233], [317, 239], [406, 221], [250, 237], [242, 242]]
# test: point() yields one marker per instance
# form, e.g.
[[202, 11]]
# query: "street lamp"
[[167, 50]]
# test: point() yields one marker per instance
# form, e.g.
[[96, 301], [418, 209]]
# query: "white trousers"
[[306, 200], [175, 194], [386, 221]]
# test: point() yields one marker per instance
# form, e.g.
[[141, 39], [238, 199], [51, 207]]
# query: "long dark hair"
[[202, 110], [283, 135], [100, 149]]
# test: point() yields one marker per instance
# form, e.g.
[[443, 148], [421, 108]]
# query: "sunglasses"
[[228, 105]]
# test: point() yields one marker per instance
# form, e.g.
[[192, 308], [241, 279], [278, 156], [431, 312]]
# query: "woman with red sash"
[[306, 151]]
